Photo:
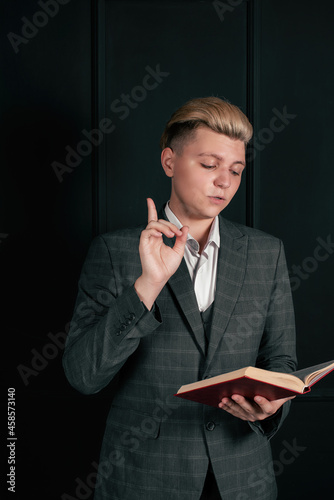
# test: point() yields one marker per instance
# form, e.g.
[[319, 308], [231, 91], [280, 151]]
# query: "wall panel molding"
[[131, 36], [98, 112], [253, 103]]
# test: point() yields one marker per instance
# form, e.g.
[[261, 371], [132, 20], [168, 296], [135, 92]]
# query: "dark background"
[[265, 56]]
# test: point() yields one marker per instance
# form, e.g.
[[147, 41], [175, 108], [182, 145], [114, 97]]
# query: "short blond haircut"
[[212, 112]]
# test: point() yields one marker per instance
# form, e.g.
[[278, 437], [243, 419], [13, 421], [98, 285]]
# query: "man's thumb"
[[180, 241]]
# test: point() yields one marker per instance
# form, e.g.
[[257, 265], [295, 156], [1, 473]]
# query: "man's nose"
[[223, 180]]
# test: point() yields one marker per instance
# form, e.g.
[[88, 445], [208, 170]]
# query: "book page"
[[313, 373], [287, 380]]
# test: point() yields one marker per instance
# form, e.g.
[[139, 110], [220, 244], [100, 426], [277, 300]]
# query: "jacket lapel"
[[182, 288], [231, 269]]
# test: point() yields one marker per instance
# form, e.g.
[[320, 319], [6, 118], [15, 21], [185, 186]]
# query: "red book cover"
[[251, 381], [249, 388]]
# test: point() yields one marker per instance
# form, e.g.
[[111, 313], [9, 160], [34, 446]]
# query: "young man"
[[187, 297]]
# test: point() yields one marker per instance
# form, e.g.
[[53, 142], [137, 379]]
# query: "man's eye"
[[234, 172], [207, 166]]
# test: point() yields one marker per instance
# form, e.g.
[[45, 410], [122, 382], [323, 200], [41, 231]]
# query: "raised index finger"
[[152, 211]]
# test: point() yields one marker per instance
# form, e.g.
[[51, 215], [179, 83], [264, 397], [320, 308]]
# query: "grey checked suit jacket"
[[157, 446]]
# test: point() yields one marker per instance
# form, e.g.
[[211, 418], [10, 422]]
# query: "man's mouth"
[[217, 199]]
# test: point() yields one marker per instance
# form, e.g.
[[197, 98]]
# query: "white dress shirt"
[[202, 267]]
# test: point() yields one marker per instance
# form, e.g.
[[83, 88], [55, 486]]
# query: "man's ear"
[[167, 161]]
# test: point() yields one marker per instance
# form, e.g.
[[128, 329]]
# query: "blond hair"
[[212, 112]]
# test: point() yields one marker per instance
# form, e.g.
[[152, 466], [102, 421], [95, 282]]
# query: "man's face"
[[206, 174]]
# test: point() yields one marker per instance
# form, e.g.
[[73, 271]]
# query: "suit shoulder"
[[255, 236], [131, 233], [120, 239]]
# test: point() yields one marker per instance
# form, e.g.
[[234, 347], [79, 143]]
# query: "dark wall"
[[67, 77], [46, 227], [295, 178], [159, 59]]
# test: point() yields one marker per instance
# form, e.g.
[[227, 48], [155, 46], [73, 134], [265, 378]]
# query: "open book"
[[250, 382]]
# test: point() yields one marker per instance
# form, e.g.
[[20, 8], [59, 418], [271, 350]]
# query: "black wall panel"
[[293, 199], [157, 55], [295, 175], [46, 227]]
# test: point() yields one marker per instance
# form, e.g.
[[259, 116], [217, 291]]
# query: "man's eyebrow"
[[220, 158]]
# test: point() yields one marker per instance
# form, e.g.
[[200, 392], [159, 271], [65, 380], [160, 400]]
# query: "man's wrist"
[[147, 292]]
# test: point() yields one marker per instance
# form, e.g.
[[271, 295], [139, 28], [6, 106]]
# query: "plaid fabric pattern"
[[156, 446]]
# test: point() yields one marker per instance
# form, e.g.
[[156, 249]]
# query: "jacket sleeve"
[[277, 350], [108, 322]]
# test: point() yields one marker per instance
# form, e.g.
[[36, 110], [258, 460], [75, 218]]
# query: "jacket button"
[[210, 426]]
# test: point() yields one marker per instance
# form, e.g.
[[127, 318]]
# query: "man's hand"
[[259, 409], [159, 262]]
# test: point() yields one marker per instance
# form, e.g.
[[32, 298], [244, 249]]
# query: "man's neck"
[[201, 233], [199, 229]]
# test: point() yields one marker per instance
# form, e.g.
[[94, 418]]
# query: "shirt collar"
[[214, 236]]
